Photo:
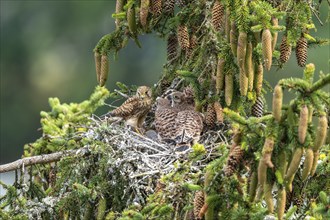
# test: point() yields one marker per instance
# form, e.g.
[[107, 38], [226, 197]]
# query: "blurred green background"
[[46, 51]]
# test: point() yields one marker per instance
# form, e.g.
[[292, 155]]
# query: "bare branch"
[[40, 159]]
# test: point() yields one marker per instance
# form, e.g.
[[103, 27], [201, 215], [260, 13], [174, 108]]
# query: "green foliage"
[[101, 183]]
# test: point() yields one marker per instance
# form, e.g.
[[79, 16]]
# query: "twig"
[[320, 83], [40, 159], [122, 94]]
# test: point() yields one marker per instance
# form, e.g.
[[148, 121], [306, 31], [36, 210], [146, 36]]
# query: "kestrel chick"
[[135, 109], [188, 126], [180, 102], [165, 119]]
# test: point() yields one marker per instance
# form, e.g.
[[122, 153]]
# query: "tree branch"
[[320, 83], [40, 159]]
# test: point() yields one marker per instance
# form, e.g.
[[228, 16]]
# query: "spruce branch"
[[40, 159], [320, 83]]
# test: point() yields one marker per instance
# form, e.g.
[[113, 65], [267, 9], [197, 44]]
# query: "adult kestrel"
[[135, 109]]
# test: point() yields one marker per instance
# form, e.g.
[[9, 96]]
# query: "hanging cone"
[[228, 25], [131, 20], [218, 111], [183, 37], [267, 48], [199, 201], [218, 12], [169, 7], [301, 51], [275, 34], [144, 11], [210, 116], [220, 77], [156, 8], [97, 58], [104, 70], [285, 50], [234, 159], [241, 50], [172, 45], [233, 38], [249, 70], [258, 107], [119, 8], [229, 88]]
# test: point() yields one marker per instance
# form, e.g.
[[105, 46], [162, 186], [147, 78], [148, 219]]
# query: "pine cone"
[[172, 44], [169, 6], [301, 51], [267, 53], [104, 70], [156, 8], [218, 111], [229, 88], [144, 11], [285, 50], [241, 50], [249, 70], [210, 116], [119, 8], [258, 107], [198, 203], [183, 37], [243, 83], [218, 12], [234, 159], [233, 38], [131, 20], [97, 57], [275, 34]]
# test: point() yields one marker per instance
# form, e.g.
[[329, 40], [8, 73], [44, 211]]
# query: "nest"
[[142, 161]]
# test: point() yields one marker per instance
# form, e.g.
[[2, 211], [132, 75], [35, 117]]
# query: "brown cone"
[[234, 159], [119, 8], [210, 116], [267, 48], [301, 51], [172, 45], [285, 49], [144, 11], [156, 8], [169, 6], [218, 12], [218, 111], [104, 70], [258, 107], [97, 58], [183, 37], [198, 203], [229, 88]]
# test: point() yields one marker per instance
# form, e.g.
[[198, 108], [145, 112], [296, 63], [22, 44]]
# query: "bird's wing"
[[127, 108]]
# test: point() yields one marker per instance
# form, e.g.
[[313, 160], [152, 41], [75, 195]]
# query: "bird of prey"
[[135, 109], [176, 119], [165, 116]]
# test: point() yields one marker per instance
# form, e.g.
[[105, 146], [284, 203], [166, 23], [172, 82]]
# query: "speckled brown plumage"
[[165, 119], [188, 126], [135, 109]]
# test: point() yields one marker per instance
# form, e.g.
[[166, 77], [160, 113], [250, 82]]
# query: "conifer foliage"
[[249, 155]]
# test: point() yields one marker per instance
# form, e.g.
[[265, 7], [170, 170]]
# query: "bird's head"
[[176, 98], [144, 92]]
